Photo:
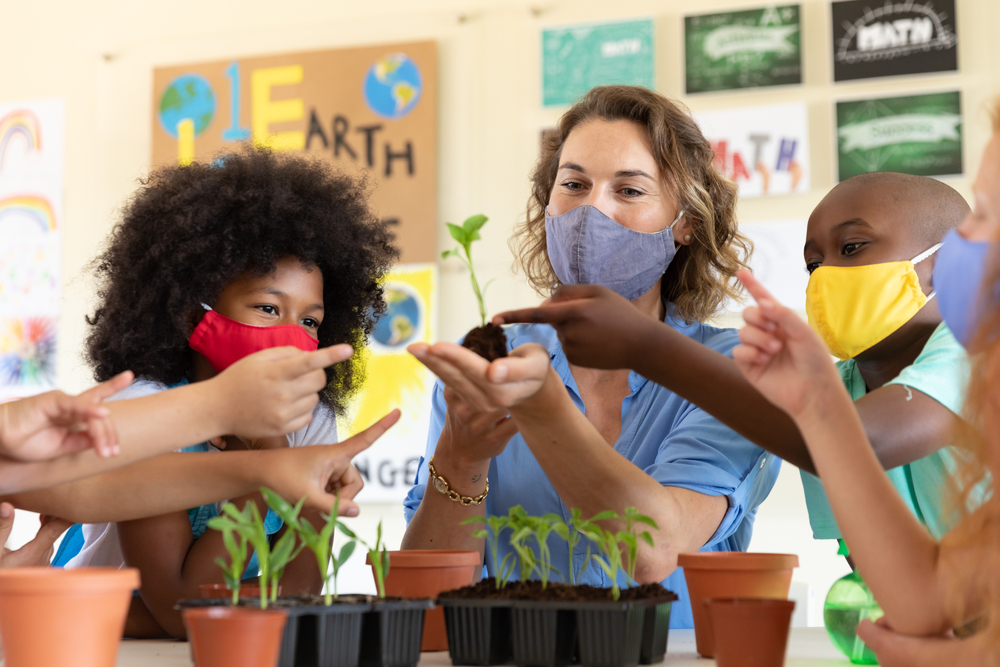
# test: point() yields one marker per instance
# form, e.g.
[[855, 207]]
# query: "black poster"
[[873, 38]]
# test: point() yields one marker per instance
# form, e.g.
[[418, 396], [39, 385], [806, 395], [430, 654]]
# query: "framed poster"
[[577, 58], [370, 110], [31, 221], [919, 135], [764, 150], [874, 38], [744, 49]]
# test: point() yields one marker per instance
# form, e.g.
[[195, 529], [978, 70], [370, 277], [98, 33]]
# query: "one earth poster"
[[874, 38], [919, 134], [745, 49], [577, 58]]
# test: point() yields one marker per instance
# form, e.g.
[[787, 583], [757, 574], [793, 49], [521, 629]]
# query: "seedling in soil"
[[570, 532], [609, 544], [486, 340], [321, 542], [631, 537], [542, 527], [250, 525], [379, 557], [236, 545], [521, 530], [494, 526]]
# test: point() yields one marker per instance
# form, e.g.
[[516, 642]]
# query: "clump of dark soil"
[[532, 590], [489, 342]]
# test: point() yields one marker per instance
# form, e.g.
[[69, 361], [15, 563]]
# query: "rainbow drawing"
[[19, 122], [34, 206], [28, 351]]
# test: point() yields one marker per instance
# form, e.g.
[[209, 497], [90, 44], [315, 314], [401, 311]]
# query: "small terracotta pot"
[[732, 574], [422, 573], [220, 591], [750, 632], [234, 636], [51, 616]]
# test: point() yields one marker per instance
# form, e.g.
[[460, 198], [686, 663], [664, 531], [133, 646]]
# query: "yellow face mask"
[[854, 307]]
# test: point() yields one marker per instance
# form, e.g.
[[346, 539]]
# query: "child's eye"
[[269, 309], [310, 322], [812, 266], [850, 248]]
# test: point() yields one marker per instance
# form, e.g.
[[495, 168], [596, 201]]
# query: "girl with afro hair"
[[210, 263]]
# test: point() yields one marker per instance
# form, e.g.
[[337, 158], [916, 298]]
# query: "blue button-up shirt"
[[672, 440]]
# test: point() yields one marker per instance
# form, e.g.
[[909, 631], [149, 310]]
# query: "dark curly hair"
[[189, 231]]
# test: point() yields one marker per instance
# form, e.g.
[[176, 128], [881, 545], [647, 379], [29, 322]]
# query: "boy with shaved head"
[[870, 250]]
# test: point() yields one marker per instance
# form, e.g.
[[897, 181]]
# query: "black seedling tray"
[[478, 630], [655, 628], [543, 633], [610, 633], [392, 631]]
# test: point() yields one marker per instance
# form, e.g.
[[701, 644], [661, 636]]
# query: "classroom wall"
[[99, 56]]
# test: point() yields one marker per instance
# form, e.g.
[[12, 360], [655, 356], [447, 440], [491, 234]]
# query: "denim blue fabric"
[[958, 280], [586, 247], [673, 441]]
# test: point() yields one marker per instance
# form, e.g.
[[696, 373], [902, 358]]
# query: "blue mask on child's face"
[[587, 247], [958, 280]]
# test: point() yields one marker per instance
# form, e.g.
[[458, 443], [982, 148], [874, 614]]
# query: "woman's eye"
[[850, 248], [630, 192], [812, 266], [572, 185]]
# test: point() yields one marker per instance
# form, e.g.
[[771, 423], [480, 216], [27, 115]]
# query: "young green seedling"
[[521, 530], [542, 527], [570, 532], [236, 545], [465, 235], [495, 525], [379, 557], [632, 517], [251, 526], [607, 544]]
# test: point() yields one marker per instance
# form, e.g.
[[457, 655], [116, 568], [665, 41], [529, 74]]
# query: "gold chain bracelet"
[[442, 486]]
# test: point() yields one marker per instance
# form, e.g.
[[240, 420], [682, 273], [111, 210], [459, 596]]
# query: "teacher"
[[625, 195]]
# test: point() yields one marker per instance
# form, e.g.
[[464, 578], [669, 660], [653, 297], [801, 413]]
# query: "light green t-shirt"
[[941, 371]]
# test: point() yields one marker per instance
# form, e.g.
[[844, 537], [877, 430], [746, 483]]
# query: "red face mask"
[[224, 341]]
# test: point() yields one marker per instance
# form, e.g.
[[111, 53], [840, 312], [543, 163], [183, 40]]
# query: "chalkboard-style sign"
[[874, 38]]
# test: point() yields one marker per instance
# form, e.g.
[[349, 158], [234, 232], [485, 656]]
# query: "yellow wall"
[[99, 55]]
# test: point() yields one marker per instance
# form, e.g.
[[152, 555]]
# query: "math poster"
[[873, 38], [764, 150], [370, 110], [31, 220], [745, 49], [917, 134], [577, 58], [397, 380]]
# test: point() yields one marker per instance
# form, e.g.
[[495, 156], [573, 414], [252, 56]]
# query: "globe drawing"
[[187, 96], [393, 85], [401, 322]]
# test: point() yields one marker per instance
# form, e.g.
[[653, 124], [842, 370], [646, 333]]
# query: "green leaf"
[[345, 552], [346, 531], [454, 252], [474, 223], [604, 516], [647, 538], [458, 233], [472, 519], [481, 534]]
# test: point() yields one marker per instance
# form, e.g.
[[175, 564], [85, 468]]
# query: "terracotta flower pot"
[[426, 573], [732, 574], [51, 616], [234, 636], [751, 632], [220, 591]]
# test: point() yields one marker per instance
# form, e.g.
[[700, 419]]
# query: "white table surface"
[[807, 647]]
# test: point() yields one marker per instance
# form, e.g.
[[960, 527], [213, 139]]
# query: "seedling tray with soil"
[[552, 627], [391, 632]]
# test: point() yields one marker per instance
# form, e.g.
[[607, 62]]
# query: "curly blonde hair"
[[702, 275]]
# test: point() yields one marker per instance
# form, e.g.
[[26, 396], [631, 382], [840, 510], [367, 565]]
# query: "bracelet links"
[[442, 486]]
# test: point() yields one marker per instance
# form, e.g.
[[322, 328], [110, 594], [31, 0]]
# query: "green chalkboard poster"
[[919, 134], [577, 58], [745, 49]]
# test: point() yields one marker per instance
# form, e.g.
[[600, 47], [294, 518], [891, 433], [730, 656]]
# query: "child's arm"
[[174, 482], [788, 363], [600, 329], [172, 564], [271, 392]]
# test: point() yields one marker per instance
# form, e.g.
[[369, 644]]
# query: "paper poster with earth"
[[395, 379]]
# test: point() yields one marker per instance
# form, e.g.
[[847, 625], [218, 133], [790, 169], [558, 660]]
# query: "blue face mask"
[[587, 247], [958, 279]]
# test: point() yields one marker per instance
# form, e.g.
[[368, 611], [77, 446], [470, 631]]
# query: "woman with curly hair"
[[210, 263], [625, 195]]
